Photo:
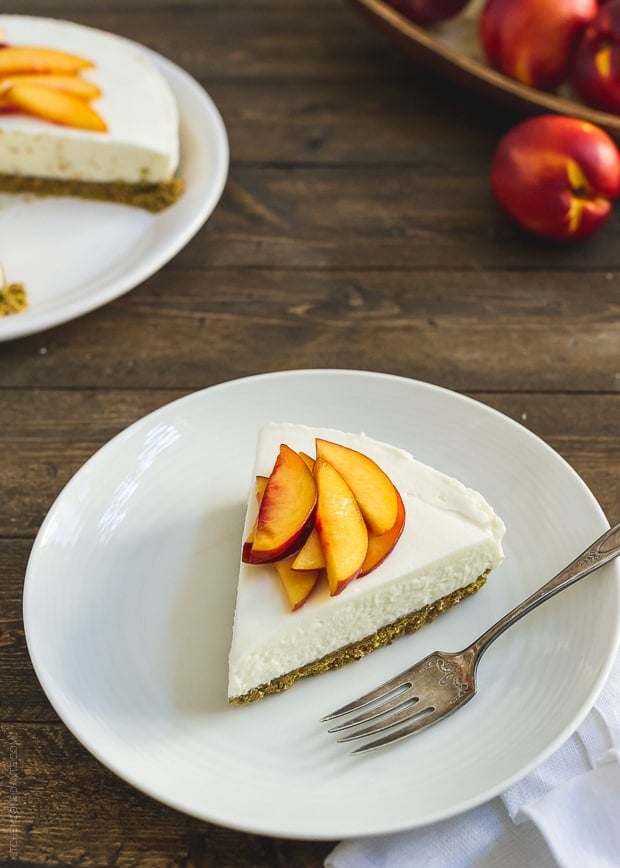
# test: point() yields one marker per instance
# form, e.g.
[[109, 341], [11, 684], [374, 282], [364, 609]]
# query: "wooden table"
[[356, 230]]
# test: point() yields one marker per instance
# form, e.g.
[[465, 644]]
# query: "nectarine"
[[259, 489], [286, 510], [556, 176], [310, 556], [596, 71], [341, 527], [54, 105], [380, 545], [533, 41], [20, 58], [373, 489], [68, 83], [297, 584]]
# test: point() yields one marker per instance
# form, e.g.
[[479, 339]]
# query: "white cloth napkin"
[[565, 813]]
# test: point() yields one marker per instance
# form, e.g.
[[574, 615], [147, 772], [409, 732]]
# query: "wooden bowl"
[[453, 48]]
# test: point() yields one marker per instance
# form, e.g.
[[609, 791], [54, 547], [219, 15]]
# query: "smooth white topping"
[[141, 144], [451, 537]]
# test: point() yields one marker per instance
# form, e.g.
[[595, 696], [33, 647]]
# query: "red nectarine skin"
[[259, 490], [533, 41], [556, 175], [596, 71], [286, 510], [380, 545]]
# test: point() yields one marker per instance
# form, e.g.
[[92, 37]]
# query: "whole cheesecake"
[[120, 143], [450, 540]]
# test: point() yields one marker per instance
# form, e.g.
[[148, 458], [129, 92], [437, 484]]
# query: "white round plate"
[[130, 593], [75, 255]]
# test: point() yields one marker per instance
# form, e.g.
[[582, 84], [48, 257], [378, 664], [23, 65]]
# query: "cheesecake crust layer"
[[149, 197], [355, 651]]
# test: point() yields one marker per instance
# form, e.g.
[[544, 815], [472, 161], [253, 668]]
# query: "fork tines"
[[396, 685], [402, 706]]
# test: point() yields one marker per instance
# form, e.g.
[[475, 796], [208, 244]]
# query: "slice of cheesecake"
[[84, 113], [450, 541]]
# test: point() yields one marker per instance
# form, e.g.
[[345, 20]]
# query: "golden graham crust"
[[384, 636], [13, 298], [149, 197]]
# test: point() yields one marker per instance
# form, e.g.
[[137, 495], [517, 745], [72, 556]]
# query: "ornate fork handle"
[[599, 553]]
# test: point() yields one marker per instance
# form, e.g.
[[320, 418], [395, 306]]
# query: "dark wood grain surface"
[[356, 230]]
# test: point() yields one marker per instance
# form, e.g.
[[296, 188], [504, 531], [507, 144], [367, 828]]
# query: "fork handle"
[[599, 553]]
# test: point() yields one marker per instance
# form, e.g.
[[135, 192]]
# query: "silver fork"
[[441, 683]]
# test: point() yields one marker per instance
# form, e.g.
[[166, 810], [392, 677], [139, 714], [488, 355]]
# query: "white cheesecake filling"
[[451, 537], [141, 144]]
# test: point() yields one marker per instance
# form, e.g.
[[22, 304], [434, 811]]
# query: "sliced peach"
[[374, 491], [341, 527], [19, 58], [67, 83], [55, 106], [310, 556], [259, 490], [286, 511], [308, 459], [297, 584], [380, 545]]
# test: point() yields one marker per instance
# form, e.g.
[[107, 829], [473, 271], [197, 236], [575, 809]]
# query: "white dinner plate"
[[74, 255], [130, 592]]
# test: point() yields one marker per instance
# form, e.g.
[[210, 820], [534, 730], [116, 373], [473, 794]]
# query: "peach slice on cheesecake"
[[310, 556], [21, 58], [57, 106], [79, 87], [286, 511], [381, 544], [308, 459], [373, 489], [297, 584], [336, 516], [340, 526], [259, 489]]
